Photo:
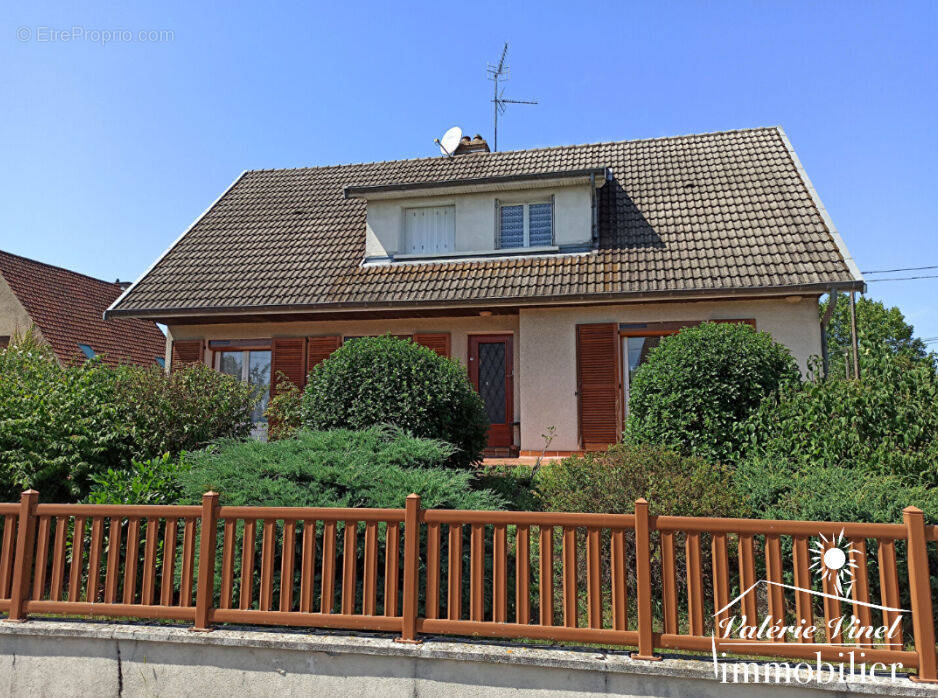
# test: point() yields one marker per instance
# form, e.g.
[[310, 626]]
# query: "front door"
[[490, 370]]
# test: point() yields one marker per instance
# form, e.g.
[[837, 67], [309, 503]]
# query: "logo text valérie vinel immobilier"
[[840, 641]]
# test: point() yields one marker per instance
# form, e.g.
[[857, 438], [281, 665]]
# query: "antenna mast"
[[501, 71]]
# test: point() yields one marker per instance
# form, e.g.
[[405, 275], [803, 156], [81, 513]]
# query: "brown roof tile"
[[67, 308], [704, 212]]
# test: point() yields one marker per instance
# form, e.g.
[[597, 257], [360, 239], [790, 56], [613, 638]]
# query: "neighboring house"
[[548, 272], [66, 310]]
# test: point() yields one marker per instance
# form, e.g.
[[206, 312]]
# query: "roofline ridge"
[[519, 150], [60, 268]]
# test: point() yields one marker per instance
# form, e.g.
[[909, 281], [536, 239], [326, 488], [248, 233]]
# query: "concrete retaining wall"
[[58, 658]]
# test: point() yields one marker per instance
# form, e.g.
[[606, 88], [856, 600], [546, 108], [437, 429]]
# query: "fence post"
[[23, 561], [205, 591], [920, 588], [646, 648], [411, 569]]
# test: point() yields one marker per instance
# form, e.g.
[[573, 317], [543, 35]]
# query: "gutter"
[[577, 299]]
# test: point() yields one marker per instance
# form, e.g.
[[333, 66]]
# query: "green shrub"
[[383, 380], [514, 484], [774, 488], [181, 410], [153, 481], [284, 410], [375, 467], [62, 426], [57, 425], [886, 424], [696, 385], [610, 481]]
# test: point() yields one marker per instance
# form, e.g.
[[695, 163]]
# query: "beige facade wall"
[[475, 218], [544, 347], [548, 351], [13, 316]]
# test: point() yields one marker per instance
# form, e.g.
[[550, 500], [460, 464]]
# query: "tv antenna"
[[501, 72]]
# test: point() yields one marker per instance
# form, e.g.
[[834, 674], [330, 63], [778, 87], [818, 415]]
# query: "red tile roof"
[[67, 308]]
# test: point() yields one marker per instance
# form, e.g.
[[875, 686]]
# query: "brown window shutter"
[[437, 341], [188, 351], [318, 349], [598, 378], [289, 358]]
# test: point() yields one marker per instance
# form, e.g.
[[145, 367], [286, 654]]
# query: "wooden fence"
[[650, 582]]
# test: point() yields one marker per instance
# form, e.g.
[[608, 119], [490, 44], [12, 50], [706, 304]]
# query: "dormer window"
[[536, 213], [429, 230], [523, 225]]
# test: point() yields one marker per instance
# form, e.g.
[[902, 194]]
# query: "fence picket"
[[167, 581], [288, 551], [522, 575], [78, 559], [42, 557], [546, 576], [433, 571], [94, 559], [307, 566], [454, 573], [327, 595]]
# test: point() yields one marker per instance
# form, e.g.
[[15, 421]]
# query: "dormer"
[[508, 215]]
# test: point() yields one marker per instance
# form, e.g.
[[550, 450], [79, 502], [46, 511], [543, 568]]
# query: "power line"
[[890, 271], [903, 278]]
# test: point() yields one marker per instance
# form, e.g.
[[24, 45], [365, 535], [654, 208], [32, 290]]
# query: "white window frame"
[[526, 219]]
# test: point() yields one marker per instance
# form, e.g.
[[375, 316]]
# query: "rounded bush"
[[383, 380], [699, 383]]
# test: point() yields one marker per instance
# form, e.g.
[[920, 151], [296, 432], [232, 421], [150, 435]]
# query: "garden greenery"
[[60, 426], [885, 425], [384, 380], [374, 467], [610, 481], [699, 383]]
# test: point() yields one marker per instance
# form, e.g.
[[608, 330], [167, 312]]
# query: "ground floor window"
[[638, 339], [634, 353], [251, 366]]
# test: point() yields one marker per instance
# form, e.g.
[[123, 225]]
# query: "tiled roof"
[[701, 213], [67, 308]]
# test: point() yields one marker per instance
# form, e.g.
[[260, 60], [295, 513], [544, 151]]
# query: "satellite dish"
[[450, 140]]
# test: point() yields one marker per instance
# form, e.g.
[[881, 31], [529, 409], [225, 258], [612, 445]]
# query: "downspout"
[[594, 223]]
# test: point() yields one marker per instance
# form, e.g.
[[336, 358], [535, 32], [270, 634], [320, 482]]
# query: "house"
[[66, 310], [548, 273]]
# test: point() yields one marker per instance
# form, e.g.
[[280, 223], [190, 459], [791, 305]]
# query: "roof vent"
[[476, 144]]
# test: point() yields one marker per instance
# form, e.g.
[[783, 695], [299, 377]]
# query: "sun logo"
[[832, 560]]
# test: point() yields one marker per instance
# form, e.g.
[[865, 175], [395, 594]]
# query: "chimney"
[[476, 145], [122, 285]]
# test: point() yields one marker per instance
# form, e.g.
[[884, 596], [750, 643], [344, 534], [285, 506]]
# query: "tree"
[[877, 327]]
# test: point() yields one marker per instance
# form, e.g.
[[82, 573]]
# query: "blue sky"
[[112, 147]]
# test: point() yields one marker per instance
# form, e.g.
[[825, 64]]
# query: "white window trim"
[[526, 222]]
